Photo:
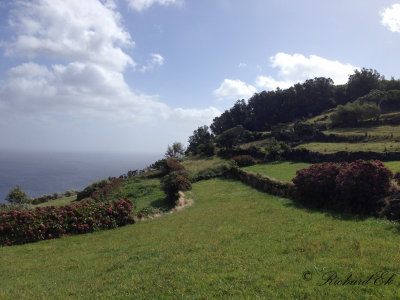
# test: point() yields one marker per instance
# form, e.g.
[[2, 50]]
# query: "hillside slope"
[[233, 242]]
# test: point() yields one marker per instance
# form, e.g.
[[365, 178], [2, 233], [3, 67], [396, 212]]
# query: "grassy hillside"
[[352, 147], [286, 170], [234, 242]]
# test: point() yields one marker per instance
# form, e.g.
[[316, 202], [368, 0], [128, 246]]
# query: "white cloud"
[[297, 68], [73, 30], [269, 83], [234, 89], [156, 60], [242, 65], [202, 116], [84, 38], [391, 18], [141, 5]]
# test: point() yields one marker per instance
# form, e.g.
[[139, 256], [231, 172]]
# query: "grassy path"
[[234, 242]]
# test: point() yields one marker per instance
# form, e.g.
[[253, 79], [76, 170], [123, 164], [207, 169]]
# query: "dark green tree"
[[17, 196]]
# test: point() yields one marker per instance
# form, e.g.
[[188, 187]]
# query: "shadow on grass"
[[327, 212], [162, 203]]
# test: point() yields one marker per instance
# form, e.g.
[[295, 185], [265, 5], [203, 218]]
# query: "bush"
[[19, 227], [92, 188], [353, 187], [397, 177], [210, 173], [244, 160], [175, 182], [173, 165], [361, 184], [103, 193], [317, 184], [17, 196]]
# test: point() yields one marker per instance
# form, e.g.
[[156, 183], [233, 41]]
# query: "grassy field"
[[194, 165], [58, 202], [282, 170], [234, 242], [390, 132], [143, 192], [335, 147], [286, 171]]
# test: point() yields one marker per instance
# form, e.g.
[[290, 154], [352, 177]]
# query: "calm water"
[[41, 173]]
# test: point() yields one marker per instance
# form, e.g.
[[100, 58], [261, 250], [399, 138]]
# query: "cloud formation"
[[141, 5], [234, 89], [156, 60], [391, 18], [85, 43], [297, 68]]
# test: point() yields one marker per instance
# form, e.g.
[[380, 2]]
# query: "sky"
[[134, 76]]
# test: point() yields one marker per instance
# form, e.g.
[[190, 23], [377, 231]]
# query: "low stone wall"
[[265, 183], [303, 155]]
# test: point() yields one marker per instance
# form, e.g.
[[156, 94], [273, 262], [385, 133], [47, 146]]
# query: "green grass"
[[387, 131], [58, 202], [282, 170], [194, 165], [393, 165], [232, 243], [143, 192], [352, 147]]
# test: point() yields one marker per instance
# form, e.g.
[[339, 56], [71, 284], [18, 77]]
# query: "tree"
[[17, 196], [176, 150], [201, 141], [362, 82]]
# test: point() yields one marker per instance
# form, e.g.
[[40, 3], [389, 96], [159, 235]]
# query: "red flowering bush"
[[352, 187], [173, 165], [19, 227], [244, 160], [362, 183], [397, 177], [317, 183]]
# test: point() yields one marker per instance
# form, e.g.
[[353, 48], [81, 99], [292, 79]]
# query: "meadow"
[[233, 242], [352, 147]]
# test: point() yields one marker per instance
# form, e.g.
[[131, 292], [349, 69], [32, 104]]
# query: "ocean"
[[41, 173]]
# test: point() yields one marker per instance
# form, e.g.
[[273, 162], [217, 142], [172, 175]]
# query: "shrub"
[[175, 182], [244, 160], [104, 192], [91, 188], [361, 184], [173, 165], [316, 184], [353, 187], [19, 227], [17, 196], [397, 177]]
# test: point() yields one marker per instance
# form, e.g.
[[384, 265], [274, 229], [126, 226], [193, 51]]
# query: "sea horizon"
[[47, 172]]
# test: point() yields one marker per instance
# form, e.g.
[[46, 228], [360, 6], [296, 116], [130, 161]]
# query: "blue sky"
[[137, 75]]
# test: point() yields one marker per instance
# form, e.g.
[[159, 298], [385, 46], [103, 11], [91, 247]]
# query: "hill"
[[234, 242]]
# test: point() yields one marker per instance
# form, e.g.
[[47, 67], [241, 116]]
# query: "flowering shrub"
[[317, 183], [19, 227], [362, 183], [397, 177], [244, 160], [174, 165], [353, 187]]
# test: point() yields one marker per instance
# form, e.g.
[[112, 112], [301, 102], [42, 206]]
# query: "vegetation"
[[19, 227], [355, 187], [281, 170], [176, 150], [201, 142], [239, 243], [351, 147], [244, 160]]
